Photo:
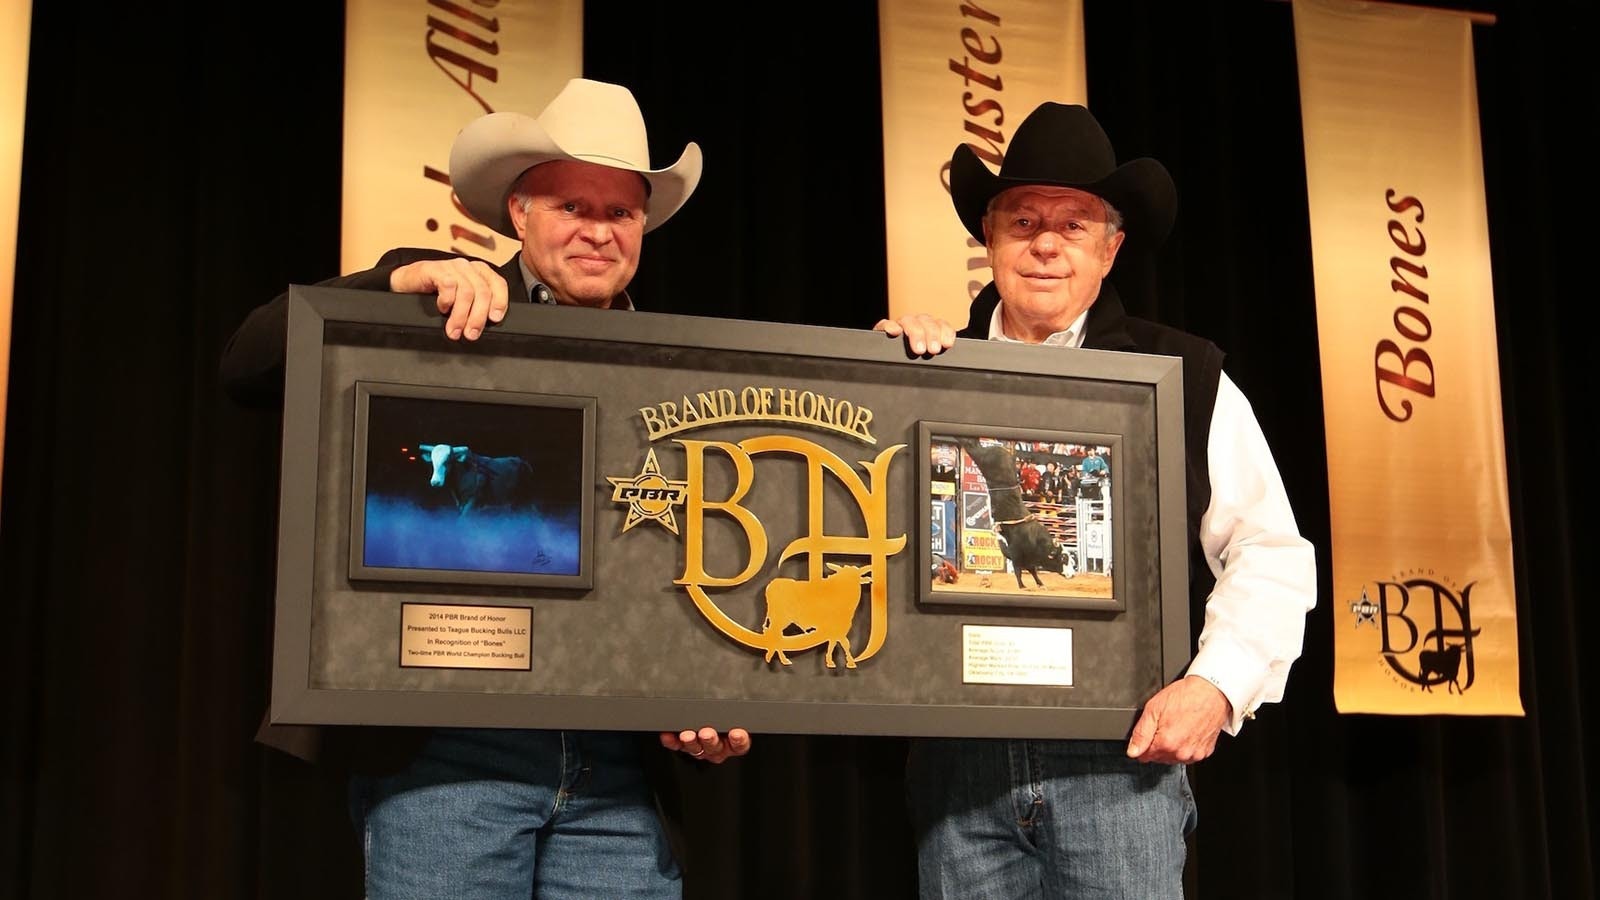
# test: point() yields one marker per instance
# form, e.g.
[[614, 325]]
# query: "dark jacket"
[[252, 363], [1109, 327]]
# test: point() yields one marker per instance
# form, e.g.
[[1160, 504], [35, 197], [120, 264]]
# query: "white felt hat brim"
[[589, 121]]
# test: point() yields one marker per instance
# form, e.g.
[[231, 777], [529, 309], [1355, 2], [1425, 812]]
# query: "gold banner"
[[14, 31], [953, 73], [416, 71], [1424, 590]]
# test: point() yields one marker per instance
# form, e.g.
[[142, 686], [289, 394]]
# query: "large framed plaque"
[[624, 520]]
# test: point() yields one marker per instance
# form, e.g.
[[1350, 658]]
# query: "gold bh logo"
[[824, 603]]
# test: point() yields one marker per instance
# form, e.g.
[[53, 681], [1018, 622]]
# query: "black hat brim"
[[1141, 189]]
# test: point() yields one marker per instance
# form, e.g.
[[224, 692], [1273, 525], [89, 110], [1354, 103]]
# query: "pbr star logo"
[[1365, 611], [649, 495]]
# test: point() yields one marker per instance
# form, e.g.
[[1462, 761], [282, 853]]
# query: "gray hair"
[[1113, 215], [525, 199], [1113, 218]]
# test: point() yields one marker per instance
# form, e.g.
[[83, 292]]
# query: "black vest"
[[1109, 327]]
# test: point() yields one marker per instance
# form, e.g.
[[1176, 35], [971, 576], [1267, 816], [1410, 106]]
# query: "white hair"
[[1113, 215], [1113, 218], [525, 199]]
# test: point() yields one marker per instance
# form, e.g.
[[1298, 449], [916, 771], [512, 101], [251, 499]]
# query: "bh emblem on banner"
[[1424, 624]]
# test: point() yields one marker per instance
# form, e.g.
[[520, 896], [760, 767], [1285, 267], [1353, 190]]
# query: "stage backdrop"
[[13, 104], [953, 73], [1424, 593], [416, 71]]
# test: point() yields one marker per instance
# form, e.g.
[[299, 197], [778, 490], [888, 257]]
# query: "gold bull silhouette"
[[826, 608]]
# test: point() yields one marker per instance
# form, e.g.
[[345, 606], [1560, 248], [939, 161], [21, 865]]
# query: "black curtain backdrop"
[[182, 167]]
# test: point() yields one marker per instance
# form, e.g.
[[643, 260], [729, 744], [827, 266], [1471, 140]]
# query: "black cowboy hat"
[[1063, 146]]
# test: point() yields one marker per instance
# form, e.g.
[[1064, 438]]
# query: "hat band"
[[623, 163]]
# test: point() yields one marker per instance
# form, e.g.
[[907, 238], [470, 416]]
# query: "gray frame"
[[333, 637], [583, 579]]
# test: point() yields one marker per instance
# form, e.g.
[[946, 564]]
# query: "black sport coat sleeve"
[[252, 363]]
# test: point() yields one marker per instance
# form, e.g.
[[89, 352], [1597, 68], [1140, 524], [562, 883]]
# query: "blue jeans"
[[509, 815], [1057, 819]]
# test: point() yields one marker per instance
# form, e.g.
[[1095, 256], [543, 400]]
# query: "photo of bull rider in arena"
[[1020, 516]]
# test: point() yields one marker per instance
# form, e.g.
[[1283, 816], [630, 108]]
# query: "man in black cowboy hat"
[[1108, 818], [492, 813]]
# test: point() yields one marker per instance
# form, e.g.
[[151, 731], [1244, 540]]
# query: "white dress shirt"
[[1266, 572]]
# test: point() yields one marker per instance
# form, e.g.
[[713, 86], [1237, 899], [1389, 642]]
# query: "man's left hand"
[[925, 335], [707, 745], [1180, 724]]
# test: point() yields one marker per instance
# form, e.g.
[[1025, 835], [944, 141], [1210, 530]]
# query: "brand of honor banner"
[[416, 71], [954, 73], [13, 102], [1424, 592]]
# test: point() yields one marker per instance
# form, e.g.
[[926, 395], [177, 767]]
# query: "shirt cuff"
[[1238, 673]]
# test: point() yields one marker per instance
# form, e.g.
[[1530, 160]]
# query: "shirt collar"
[[538, 292], [1071, 337]]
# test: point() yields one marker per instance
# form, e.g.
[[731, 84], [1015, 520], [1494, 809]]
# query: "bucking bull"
[[1023, 538], [476, 481]]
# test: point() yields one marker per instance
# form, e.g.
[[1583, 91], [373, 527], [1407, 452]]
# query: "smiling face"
[[1050, 248], [581, 226]]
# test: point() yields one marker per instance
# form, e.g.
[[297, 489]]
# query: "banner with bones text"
[[954, 73], [1424, 593], [416, 71]]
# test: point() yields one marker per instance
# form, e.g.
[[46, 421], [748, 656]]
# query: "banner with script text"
[[416, 71], [14, 32], [954, 73], [1424, 591]]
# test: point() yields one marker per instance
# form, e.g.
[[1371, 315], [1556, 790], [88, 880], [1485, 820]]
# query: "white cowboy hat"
[[589, 121]]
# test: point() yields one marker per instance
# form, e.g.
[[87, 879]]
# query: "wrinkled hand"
[[925, 335], [707, 745], [470, 292], [1180, 724]]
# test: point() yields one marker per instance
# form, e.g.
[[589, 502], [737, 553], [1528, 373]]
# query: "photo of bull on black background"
[[458, 486], [1020, 517], [765, 499]]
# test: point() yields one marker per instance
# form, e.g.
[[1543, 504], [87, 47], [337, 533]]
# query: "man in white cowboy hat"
[[574, 185], [999, 818], [481, 813]]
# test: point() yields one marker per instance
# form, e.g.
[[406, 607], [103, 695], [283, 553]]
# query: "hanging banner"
[[416, 71], [954, 73], [1424, 589], [14, 31]]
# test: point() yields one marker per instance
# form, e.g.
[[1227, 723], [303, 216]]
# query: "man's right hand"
[[707, 745], [471, 293], [925, 335]]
